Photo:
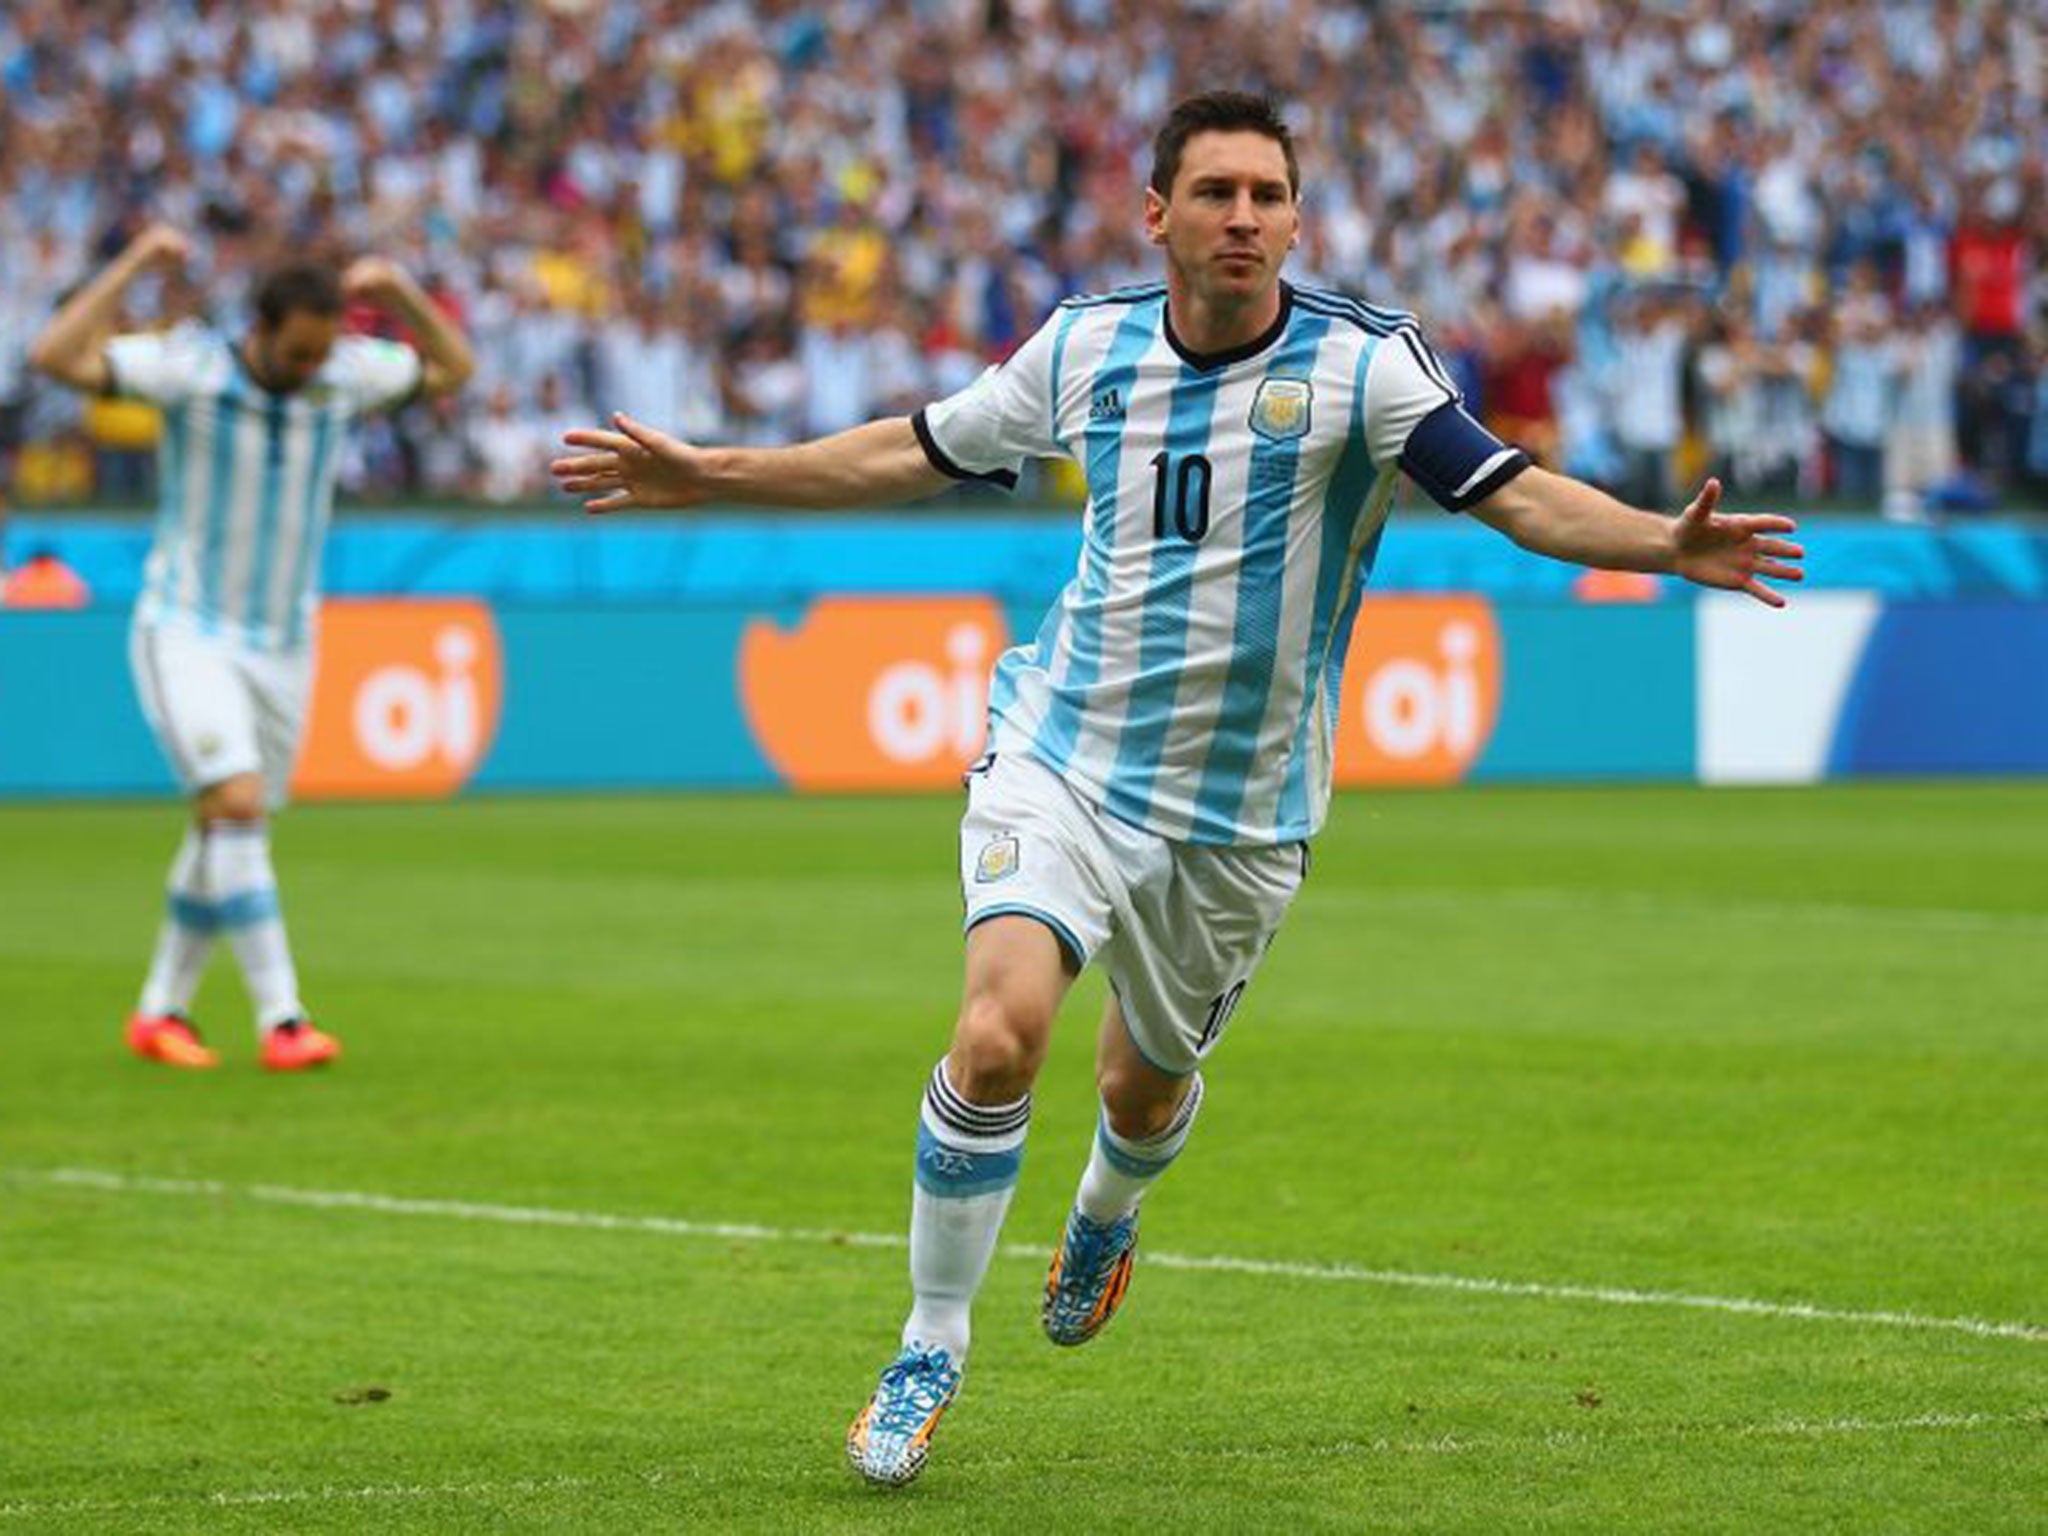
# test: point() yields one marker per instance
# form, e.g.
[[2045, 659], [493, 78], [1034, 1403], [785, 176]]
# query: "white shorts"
[[219, 709], [1180, 928]]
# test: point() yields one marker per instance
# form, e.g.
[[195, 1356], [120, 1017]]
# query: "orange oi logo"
[[405, 701], [872, 692], [1421, 690]]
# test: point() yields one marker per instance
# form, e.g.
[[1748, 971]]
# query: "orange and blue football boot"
[[1089, 1275], [169, 1038], [295, 1045], [890, 1438]]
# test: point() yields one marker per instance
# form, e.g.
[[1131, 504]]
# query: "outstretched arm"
[[635, 465], [446, 355], [1564, 518], [72, 347]]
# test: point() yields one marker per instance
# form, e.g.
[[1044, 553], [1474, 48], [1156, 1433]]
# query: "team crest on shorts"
[[1280, 410], [208, 744], [998, 861]]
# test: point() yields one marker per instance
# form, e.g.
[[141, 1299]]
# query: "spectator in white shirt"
[[640, 359], [1858, 409], [1921, 450], [1648, 191], [508, 449], [1650, 340]]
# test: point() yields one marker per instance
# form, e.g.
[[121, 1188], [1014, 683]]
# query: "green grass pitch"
[[1611, 1048]]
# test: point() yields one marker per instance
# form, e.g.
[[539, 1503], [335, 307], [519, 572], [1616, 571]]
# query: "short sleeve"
[[988, 429], [1415, 417], [162, 367], [373, 374]]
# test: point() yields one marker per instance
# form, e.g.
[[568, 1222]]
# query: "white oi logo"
[[1411, 710], [915, 711], [403, 716]]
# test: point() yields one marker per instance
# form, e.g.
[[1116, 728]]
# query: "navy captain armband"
[[1456, 460]]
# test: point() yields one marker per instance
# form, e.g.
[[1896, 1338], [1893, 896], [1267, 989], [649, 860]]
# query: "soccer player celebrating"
[[222, 644], [1161, 752]]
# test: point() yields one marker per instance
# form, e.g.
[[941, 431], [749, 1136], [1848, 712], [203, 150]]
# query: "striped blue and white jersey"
[[1187, 679], [246, 477]]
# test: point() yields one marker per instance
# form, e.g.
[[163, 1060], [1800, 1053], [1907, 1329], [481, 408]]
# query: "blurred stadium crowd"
[[1794, 244]]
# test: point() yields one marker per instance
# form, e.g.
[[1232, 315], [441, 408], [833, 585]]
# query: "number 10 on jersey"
[[1184, 488]]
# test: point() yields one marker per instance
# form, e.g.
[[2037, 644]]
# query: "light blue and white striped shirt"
[[1187, 679], [246, 477]]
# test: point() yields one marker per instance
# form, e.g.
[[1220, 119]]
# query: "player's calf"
[[1091, 1271]]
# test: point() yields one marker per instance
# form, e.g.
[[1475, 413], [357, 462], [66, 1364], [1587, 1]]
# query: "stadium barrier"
[[423, 697], [1025, 557]]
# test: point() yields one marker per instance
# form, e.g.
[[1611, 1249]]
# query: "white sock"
[[968, 1158], [185, 941], [1121, 1170], [245, 895]]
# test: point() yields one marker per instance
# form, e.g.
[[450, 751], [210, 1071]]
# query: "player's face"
[[291, 352], [1231, 217]]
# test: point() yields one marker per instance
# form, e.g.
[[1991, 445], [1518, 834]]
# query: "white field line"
[[1436, 1445], [668, 1226]]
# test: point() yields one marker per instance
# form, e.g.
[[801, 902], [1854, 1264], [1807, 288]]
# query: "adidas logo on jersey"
[[1107, 406]]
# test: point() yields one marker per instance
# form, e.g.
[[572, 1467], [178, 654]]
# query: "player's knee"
[[997, 1048], [236, 799]]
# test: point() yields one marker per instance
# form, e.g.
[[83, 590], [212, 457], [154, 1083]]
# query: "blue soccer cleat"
[[891, 1436], [1089, 1275]]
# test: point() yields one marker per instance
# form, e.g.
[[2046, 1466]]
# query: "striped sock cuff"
[[245, 909], [193, 912], [1151, 1157], [949, 1113], [968, 1150]]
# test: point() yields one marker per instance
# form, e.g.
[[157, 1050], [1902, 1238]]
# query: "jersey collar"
[[1206, 361], [234, 346]]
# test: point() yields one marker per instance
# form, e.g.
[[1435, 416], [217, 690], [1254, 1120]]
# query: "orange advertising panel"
[[1421, 690], [405, 701], [872, 692]]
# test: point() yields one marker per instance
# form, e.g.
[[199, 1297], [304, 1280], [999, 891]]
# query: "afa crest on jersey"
[[1280, 410]]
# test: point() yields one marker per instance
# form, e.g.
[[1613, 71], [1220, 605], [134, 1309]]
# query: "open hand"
[[1735, 550], [634, 466]]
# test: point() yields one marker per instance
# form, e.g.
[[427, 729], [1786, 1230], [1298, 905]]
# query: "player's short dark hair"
[[297, 287], [1219, 112]]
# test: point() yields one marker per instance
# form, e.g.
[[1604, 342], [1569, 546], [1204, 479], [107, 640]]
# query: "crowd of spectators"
[[1793, 244]]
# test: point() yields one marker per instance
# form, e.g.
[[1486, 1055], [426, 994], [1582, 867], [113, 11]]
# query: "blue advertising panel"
[[1948, 688], [1601, 692], [424, 696], [69, 721], [621, 696]]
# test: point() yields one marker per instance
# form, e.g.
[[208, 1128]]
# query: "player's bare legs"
[[223, 882], [1146, 1117], [161, 1027], [970, 1147], [1138, 1099], [1017, 977]]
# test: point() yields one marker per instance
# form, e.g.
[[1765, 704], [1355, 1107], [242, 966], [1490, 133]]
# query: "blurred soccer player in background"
[[1161, 753], [223, 639]]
